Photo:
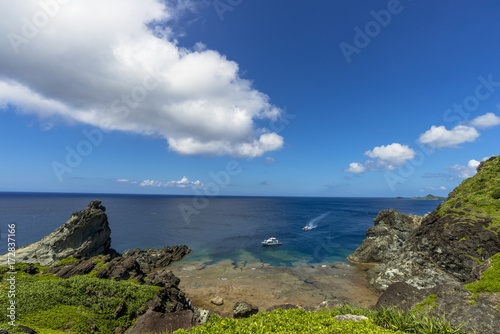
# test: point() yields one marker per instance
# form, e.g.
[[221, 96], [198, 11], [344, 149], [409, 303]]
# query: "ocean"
[[216, 229]]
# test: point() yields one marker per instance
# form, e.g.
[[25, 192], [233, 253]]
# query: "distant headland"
[[429, 197]]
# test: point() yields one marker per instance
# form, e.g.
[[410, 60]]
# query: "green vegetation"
[[300, 321], [490, 280], [427, 305], [66, 261], [80, 304], [430, 197], [478, 197]]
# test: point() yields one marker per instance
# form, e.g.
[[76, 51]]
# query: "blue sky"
[[238, 97]]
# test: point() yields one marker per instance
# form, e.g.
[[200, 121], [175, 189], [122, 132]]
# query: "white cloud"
[[486, 121], [265, 183], [96, 62], [434, 188], [465, 171], [355, 168], [184, 183], [126, 181], [394, 154], [388, 157], [440, 137]]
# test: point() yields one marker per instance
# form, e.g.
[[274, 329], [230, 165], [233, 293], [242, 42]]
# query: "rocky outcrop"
[[104, 266], [477, 314], [150, 259], [385, 238], [244, 310], [449, 242], [85, 234]]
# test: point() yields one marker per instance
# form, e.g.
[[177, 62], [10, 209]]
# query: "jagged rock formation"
[[150, 259], [391, 230], [453, 239], [85, 234]]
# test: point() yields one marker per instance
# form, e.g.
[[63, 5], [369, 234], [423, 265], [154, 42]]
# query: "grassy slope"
[[80, 304], [477, 197]]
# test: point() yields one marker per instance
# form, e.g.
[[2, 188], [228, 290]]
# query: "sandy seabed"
[[264, 286]]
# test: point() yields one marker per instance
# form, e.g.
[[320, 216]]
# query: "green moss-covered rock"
[[490, 280]]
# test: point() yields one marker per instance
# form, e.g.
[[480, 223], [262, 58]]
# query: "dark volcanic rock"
[[85, 234], [156, 322], [150, 259], [244, 310], [385, 238], [452, 301]]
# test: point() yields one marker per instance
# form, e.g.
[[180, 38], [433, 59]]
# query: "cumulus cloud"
[[183, 183], [486, 121], [465, 171], [394, 154], [388, 157], [355, 168], [440, 137], [115, 65], [126, 181]]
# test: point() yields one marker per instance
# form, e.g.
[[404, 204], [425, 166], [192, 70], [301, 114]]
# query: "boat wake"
[[313, 223]]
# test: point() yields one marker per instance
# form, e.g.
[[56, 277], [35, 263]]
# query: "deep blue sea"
[[216, 229]]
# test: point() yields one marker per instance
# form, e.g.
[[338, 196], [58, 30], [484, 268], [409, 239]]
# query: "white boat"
[[305, 228], [271, 242]]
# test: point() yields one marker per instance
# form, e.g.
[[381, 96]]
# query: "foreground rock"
[[150, 259], [85, 234]]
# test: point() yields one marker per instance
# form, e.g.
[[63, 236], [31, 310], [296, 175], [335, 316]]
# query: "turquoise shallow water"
[[217, 229]]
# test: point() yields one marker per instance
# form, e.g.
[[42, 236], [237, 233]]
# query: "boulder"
[[217, 301], [85, 234], [385, 238], [244, 310], [150, 259], [201, 316], [160, 323]]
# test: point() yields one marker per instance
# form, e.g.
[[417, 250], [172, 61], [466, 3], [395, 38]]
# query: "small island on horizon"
[[429, 197]]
